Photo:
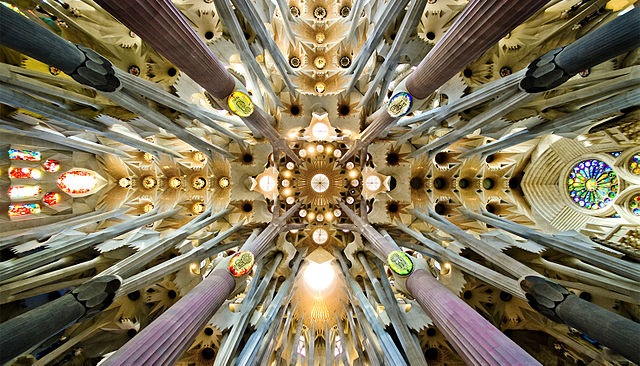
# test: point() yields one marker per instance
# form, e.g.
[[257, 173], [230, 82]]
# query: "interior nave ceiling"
[[293, 177]]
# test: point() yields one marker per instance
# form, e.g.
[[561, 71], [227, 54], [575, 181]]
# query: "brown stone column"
[[481, 24], [162, 25], [169, 336], [477, 341]]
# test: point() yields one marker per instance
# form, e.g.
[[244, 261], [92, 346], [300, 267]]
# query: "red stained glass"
[[51, 165], [23, 192], [77, 182], [24, 173], [51, 198], [23, 209]]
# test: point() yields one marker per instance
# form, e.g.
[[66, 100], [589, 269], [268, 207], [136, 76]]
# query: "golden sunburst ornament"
[[320, 182]]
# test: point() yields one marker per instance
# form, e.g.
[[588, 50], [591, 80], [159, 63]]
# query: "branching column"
[[558, 304], [169, 336], [477, 341], [19, 334], [164, 27], [478, 27]]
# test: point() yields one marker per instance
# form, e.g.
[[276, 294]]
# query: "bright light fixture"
[[320, 131], [319, 277]]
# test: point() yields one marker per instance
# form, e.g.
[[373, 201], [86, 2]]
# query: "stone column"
[[379, 245], [477, 341], [480, 25], [171, 334], [61, 247], [81, 63], [164, 340], [612, 330], [162, 25], [477, 28], [557, 66], [19, 334], [570, 243]]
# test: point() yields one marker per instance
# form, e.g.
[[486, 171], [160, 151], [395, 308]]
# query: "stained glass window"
[[592, 184], [51, 198], [77, 182], [634, 204], [634, 164], [51, 165], [23, 192], [24, 173], [23, 209], [28, 155]]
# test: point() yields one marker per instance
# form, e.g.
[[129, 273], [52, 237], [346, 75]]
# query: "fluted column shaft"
[[162, 25], [380, 246], [477, 341], [480, 25], [27, 330], [558, 304], [557, 66], [169, 336]]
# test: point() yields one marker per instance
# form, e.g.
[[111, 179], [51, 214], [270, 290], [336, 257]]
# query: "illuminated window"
[[51, 198], [337, 350], [76, 182], [24, 173], [28, 155], [51, 165], [592, 184], [23, 192], [267, 183], [373, 183], [634, 204], [320, 236], [320, 131], [300, 349], [23, 209], [634, 164]]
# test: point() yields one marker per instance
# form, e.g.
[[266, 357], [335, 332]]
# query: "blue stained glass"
[[592, 184]]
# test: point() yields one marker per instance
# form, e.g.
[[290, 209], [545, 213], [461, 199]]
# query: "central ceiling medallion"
[[320, 183]]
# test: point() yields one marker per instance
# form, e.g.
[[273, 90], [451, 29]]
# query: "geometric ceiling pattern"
[[313, 182]]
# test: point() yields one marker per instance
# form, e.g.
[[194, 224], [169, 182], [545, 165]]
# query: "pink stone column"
[[162, 25], [477, 341], [478, 27], [164, 340]]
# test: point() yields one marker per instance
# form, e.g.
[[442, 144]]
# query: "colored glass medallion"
[[400, 263], [240, 104], [400, 104], [51, 165], [592, 184], [51, 198], [241, 263]]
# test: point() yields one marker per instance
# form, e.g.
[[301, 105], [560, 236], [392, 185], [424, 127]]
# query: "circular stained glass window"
[[592, 184], [634, 204], [634, 164]]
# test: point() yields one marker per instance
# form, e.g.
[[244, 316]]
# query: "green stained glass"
[[592, 184]]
